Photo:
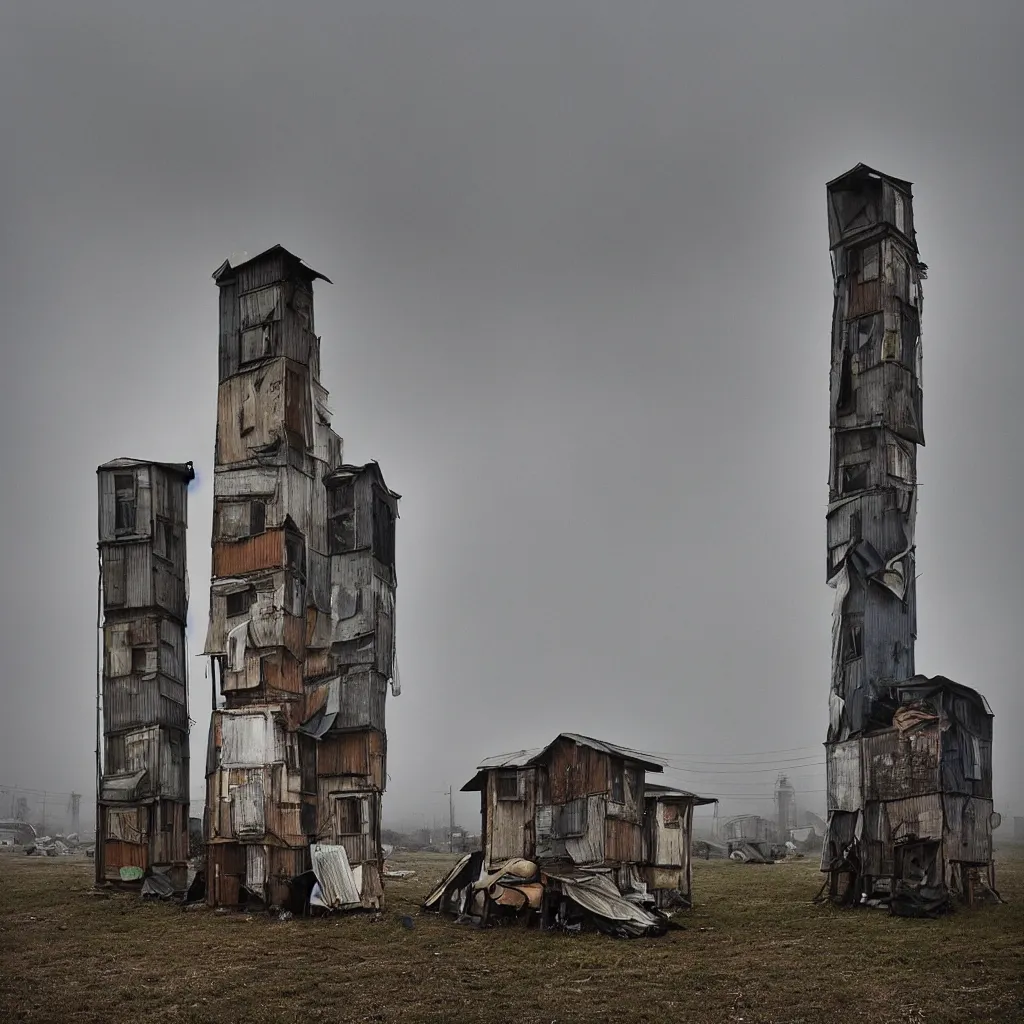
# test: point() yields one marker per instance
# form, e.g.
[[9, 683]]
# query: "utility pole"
[[451, 819]]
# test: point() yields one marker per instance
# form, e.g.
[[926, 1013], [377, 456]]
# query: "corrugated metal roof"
[[184, 469], [671, 793], [225, 271], [347, 472], [523, 758]]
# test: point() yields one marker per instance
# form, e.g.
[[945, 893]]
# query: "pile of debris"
[[56, 846], [570, 900]]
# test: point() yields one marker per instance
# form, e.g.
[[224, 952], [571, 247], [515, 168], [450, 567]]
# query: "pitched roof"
[[346, 472], [225, 271], [527, 758], [671, 793], [183, 469], [863, 171]]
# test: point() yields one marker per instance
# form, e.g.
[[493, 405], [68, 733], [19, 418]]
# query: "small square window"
[[257, 518], [124, 497], [140, 660], [348, 815], [854, 478], [508, 786], [238, 603]]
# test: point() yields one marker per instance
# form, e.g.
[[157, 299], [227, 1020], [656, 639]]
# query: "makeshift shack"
[[563, 831]]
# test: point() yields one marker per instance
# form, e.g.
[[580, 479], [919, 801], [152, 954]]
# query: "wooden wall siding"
[[623, 842], [576, 771], [269, 404], [510, 831]]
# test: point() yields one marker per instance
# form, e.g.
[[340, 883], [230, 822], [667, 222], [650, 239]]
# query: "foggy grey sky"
[[581, 316]]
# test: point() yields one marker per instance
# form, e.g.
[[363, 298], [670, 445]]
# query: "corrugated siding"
[[138, 568], [239, 557], [130, 702], [969, 828], [844, 776], [896, 768], [344, 754], [589, 848], [117, 855], [247, 799], [251, 738], [921, 816]]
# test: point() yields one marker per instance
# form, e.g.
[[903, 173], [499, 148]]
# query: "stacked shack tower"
[[301, 606], [142, 706], [893, 737]]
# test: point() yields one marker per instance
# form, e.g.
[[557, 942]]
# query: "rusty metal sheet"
[[896, 767], [240, 557]]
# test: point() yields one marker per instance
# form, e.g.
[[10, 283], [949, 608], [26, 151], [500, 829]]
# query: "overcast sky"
[[581, 316]]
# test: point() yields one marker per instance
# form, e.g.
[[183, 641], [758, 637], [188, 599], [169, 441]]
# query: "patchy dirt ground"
[[755, 950]]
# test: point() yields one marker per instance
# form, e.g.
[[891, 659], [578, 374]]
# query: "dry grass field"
[[754, 950]]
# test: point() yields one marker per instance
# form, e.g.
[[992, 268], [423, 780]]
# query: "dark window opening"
[[349, 818], [383, 531], [618, 784], [508, 786], [124, 509], [855, 526], [844, 401], [257, 518], [671, 816], [854, 478], [238, 603], [140, 658], [342, 531], [295, 553], [853, 641]]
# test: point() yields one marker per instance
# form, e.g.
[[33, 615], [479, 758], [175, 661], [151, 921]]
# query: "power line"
[[749, 771], [724, 753]]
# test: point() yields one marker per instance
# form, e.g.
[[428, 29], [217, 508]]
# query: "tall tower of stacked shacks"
[[908, 758], [301, 635], [142, 713]]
